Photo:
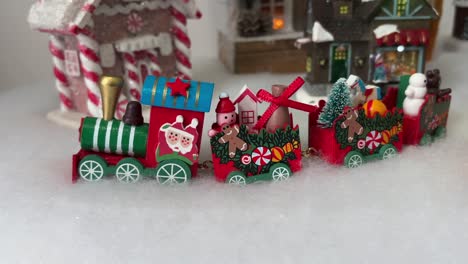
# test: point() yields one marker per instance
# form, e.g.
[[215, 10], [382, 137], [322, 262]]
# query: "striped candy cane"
[[182, 42], [121, 106], [91, 67], [132, 76], [153, 62], [56, 47]]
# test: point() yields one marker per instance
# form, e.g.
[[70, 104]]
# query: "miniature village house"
[[460, 24], [247, 107], [124, 38], [259, 35], [378, 40]]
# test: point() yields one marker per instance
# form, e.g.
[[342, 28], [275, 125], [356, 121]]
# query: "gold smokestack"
[[111, 87]]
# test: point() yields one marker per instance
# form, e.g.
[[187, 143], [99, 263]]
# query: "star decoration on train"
[[178, 87]]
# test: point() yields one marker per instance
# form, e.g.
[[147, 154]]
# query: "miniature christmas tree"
[[338, 99]]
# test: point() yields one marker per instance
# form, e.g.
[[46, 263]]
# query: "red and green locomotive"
[[166, 148]]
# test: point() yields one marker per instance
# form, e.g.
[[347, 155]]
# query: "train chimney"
[[111, 87]]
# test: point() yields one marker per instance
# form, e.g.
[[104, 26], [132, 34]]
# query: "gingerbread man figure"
[[352, 124], [230, 137]]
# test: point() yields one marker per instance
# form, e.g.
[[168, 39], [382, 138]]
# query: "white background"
[[410, 210]]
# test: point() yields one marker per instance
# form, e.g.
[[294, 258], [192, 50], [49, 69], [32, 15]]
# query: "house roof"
[[59, 15], [246, 92], [157, 93]]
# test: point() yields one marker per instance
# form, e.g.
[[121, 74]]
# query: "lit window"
[[344, 10], [247, 117], [276, 9], [401, 7]]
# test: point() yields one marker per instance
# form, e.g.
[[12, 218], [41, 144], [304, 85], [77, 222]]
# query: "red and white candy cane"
[[181, 41], [153, 62], [132, 75], [56, 47], [91, 67]]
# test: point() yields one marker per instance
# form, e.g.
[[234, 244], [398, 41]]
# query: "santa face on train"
[[174, 137]]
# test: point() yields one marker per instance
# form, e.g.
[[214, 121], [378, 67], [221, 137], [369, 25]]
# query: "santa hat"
[[178, 124], [225, 104], [192, 128]]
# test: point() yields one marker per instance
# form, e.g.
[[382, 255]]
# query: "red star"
[[178, 87]]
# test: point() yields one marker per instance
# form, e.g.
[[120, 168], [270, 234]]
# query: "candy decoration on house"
[[338, 99], [89, 38], [273, 153], [167, 148], [259, 35]]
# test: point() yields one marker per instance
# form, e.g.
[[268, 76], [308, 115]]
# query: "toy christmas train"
[[354, 126]]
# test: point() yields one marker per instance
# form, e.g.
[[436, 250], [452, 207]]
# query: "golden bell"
[[111, 87]]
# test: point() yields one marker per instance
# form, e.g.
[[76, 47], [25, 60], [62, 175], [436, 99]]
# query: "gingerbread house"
[[125, 38]]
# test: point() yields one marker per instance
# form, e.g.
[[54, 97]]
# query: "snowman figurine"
[[415, 93]]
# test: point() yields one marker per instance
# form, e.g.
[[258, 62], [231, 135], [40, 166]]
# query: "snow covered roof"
[[320, 34], [246, 92], [59, 15]]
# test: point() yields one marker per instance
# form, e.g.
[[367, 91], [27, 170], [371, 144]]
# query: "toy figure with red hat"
[[225, 114]]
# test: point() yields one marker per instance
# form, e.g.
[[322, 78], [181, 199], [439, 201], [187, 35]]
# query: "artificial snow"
[[163, 41]]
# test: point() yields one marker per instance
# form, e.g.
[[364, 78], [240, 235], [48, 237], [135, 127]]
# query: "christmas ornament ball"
[[373, 107], [277, 154]]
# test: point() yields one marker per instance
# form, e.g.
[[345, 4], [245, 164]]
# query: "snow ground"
[[411, 210]]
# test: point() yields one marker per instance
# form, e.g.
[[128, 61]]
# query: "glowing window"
[[344, 10]]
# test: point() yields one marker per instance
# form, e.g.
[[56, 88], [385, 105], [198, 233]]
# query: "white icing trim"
[[163, 41], [127, 8]]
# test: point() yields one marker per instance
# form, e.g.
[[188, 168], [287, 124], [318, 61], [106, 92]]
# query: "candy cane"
[[56, 47], [132, 75], [91, 67], [182, 42], [154, 62], [121, 106]]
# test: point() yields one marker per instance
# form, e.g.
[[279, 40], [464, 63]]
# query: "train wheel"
[[388, 152], [236, 178], [173, 172], [92, 168], [280, 172], [128, 170], [354, 159]]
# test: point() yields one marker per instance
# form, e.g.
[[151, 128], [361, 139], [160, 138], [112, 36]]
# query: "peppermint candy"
[[373, 140], [261, 156]]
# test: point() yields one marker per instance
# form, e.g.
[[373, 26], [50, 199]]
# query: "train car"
[[358, 134], [430, 123], [167, 148], [269, 149]]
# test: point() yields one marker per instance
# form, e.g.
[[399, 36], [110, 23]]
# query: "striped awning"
[[156, 92], [412, 37]]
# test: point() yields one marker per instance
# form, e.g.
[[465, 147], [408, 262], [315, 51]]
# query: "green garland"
[[378, 123], [263, 139]]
